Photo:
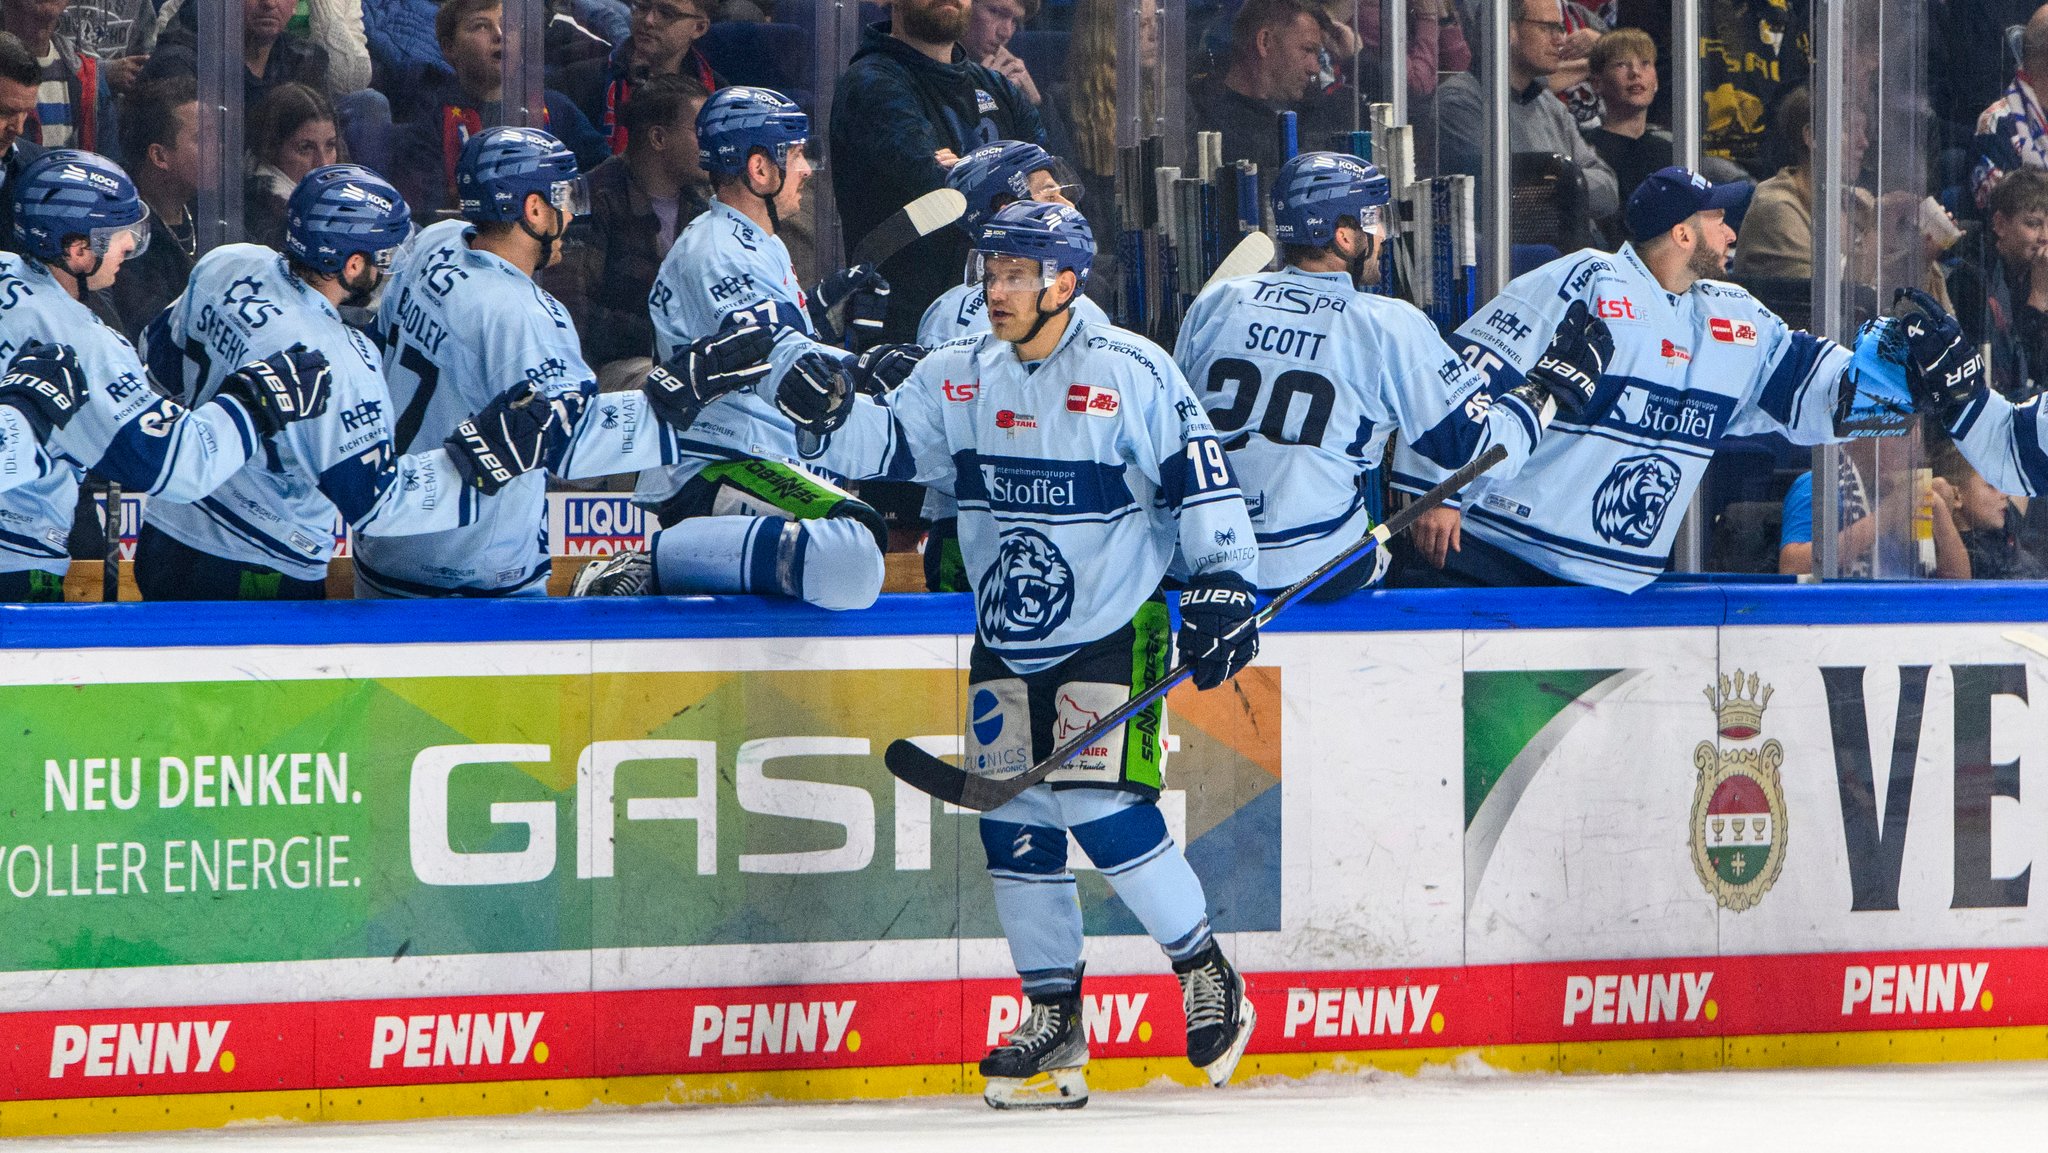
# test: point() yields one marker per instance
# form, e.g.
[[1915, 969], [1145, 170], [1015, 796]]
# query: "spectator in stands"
[[1987, 520], [906, 108], [1436, 41], [663, 42], [19, 77], [1752, 52], [639, 202], [1624, 74], [1777, 234], [160, 137], [271, 56], [1585, 21], [2013, 132], [1857, 541], [336, 27], [74, 107], [1080, 122], [2000, 286], [990, 24], [101, 28], [1275, 65], [466, 97], [1537, 120], [570, 41], [290, 134]]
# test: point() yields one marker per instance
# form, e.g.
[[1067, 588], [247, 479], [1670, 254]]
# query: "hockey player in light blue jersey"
[[77, 219], [463, 322], [1083, 465], [268, 532], [989, 177], [748, 507], [1305, 376]]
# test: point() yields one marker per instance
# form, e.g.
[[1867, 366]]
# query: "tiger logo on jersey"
[[1028, 592], [1630, 505]]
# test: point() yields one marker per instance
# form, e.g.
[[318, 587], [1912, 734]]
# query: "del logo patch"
[[1093, 400], [1732, 331]]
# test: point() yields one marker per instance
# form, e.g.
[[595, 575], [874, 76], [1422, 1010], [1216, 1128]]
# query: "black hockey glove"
[[883, 367], [507, 438], [706, 370], [1944, 373], [816, 394], [282, 387], [46, 384], [865, 294], [1572, 371], [1217, 634]]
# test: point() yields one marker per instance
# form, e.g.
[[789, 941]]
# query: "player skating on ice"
[[268, 532], [1082, 464], [77, 397], [748, 507], [463, 322], [1305, 375]]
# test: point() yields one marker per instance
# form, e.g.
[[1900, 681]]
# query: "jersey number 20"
[[1247, 385]]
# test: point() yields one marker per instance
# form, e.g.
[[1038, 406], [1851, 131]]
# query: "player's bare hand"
[[121, 71], [1012, 67], [1437, 534]]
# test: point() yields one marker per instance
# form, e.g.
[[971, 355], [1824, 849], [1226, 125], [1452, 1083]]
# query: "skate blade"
[[1053, 1089], [1219, 1070]]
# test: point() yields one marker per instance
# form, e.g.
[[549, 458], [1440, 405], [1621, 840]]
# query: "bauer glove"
[[46, 384], [1944, 373], [883, 367], [865, 294], [508, 438], [706, 370], [816, 394], [282, 387], [1217, 633], [1572, 371]]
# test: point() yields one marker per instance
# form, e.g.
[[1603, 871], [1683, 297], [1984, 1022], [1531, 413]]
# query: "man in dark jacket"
[[906, 109], [160, 136], [270, 55], [662, 41], [19, 76]]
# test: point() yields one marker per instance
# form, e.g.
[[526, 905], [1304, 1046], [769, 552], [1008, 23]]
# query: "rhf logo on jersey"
[[1738, 803], [1093, 399], [1732, 331]]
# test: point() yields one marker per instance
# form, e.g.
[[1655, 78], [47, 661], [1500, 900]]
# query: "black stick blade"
[[924, 772]]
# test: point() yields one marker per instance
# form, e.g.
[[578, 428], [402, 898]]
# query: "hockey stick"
[[927, 773], [919, 218], [1251, 255], [110, 572]]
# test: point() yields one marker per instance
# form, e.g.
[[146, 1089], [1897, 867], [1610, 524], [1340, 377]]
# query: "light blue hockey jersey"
[[724, 267], [125, 431], [243, 303], [1305, 377], [461, 326], [1601, 505], [1077, 479]]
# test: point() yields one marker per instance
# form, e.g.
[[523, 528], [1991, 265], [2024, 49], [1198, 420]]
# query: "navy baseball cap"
[[1669, 195]]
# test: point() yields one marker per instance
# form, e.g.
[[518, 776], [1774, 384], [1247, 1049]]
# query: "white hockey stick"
[[1251, 255]]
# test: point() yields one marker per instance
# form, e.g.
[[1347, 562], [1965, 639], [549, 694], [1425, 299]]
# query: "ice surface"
[[1924, 1107]]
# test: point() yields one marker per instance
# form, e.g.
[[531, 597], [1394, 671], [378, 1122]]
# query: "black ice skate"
[[1040, 1066], [623, 574], [1220, 1016]]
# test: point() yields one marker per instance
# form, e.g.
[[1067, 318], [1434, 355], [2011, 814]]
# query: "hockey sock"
[[831, 563], [1148, 870], [1036, 903]]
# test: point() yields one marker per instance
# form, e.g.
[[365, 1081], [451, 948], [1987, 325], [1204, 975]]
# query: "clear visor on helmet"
[[102, 239], [570, 196], [1058, 180], [387, 258], [1004, 273]]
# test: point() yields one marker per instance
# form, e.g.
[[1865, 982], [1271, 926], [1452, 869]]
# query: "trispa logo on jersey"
[[1738, 802], [1282, 296], [1618, 308], [1007, 419], [135, 1049], [1638, 998], [1507, 324], [1732, 331], [1630, 504], [1028, 592], [1367, 1011], [430, 1041], [960, 392], [1093, 399], [1889, 990]]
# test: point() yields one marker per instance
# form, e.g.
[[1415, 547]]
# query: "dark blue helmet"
[[1056, 236], [737, 120], [997, 172], [340, 210], [1316, 189], [67, 192], [500, 167]]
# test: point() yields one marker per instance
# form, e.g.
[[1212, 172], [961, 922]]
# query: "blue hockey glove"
[[706, 370], [883, 367], [1873, 398], [864, 292], [46, 384], [282, 387], [1572, 371], [1943, 371], [816, 394], [1217, 634], [507, 438]]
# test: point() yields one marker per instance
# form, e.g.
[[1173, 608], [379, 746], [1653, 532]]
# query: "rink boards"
[[376, 860]]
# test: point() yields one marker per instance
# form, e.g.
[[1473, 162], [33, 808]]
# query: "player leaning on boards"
[[268, 532], [989, 177], [1305, 374], [745, 508], [88, 404], [1698, 359], [1081, 462], [463, 321]]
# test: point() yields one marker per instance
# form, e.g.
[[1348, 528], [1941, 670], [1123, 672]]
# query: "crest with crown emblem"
[[1738, 802]]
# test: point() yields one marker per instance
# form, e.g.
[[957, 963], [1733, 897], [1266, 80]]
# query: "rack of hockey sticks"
[[1177, 230]]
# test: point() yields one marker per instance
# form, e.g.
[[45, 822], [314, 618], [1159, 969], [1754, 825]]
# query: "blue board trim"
[[531, 619]]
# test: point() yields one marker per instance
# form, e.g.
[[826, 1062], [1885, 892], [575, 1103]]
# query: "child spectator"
[[1987, 519], [2000, 286]]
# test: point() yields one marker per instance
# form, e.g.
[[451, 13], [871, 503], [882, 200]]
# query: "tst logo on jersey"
[[961, 391], [137, 1048], [1620, 308], [1732, 331], [1638, 999], [1093, 399], [428, 1041]]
